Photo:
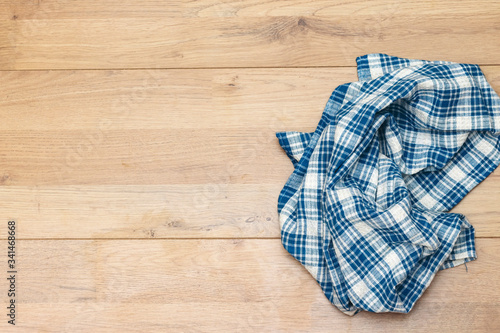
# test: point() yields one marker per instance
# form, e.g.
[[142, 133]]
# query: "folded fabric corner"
[[294, 144]]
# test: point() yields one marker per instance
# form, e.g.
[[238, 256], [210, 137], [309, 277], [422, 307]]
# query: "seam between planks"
[[187, 68], [180, 238]]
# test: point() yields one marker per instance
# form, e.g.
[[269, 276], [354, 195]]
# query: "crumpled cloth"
[[365, 209]]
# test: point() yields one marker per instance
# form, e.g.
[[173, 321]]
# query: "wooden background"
[[138, 157]]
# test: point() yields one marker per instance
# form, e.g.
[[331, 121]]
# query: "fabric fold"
[[294, 144], [366, 207]]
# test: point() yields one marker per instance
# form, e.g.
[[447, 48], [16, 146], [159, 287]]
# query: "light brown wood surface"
[[61, 34], [231, 285], [139, 159]]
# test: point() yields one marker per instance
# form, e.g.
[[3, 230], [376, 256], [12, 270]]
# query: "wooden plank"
[[271, 98], [156, 9], [54, 36], [137, 157], [278, 99], [165, 154], [141, 157], [228, 285], [212, 210], [143, 211]]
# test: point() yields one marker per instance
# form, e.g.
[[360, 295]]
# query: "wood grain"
[[56, 35], [230, 285]]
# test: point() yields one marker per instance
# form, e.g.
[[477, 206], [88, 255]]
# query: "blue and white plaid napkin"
[[365, 210]]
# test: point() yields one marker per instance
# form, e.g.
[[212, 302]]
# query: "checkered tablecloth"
[[366, 207]]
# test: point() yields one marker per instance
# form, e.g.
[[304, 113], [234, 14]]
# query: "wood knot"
[[4, 178]]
